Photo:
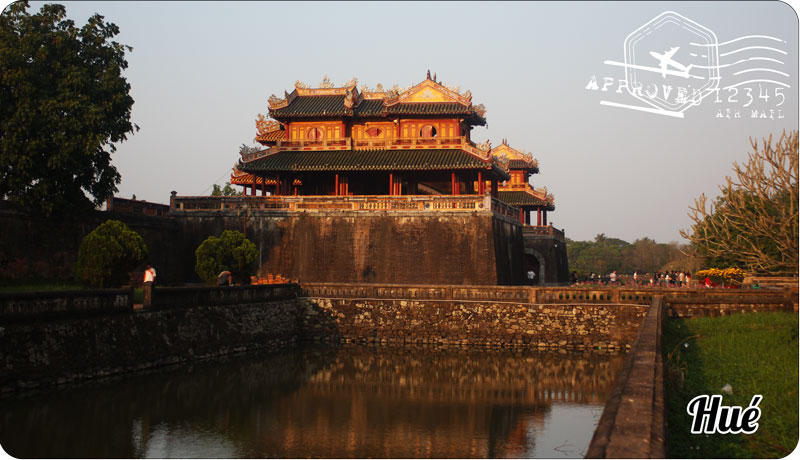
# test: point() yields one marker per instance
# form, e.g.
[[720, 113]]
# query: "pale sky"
[[201, 72]]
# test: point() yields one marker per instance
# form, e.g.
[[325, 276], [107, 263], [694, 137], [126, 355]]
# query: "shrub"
[[108, 253], [730, 275], [231, 251]]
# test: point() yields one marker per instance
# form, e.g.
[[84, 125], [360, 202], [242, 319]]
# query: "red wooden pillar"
[[253, 191], [278, 185], [263, 186], [539, 217], [453, 190], [481, 186], [521, 215], [391, 184], [336, 185], [544, 216]]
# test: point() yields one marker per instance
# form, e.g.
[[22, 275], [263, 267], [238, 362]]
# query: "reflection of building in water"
[[423, 404], [351, 402]]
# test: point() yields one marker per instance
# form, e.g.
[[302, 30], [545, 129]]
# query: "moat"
[[354, 401]]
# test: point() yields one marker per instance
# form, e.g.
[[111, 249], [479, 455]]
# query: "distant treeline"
[[644, 255]]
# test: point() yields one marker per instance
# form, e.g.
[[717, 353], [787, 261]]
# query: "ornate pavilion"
[[342, 141], [345, 141], [368, 180]]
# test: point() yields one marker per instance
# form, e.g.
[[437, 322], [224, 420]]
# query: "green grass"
[[754, 353]]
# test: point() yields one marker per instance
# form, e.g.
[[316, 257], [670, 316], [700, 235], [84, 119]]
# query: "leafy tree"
[[226, 191], [754, 224], [108, 253], [64, 105], [231, 251], [645, 255]]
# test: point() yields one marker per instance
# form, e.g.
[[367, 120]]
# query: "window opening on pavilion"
[[428, 131], [315, 134], [374, 132]]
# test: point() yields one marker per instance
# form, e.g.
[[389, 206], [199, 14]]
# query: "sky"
[[201, 72]]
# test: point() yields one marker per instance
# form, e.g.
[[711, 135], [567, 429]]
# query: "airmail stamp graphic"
[[672, 63]]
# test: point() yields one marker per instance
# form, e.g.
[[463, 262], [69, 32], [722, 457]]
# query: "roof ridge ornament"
[[276, 103], [351, 98], [502, 161], [265, 125], [326, 82]]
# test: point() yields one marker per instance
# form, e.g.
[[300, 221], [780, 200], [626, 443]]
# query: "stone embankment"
[[633, 420], [56, 338], [482, 323], [39, 351]]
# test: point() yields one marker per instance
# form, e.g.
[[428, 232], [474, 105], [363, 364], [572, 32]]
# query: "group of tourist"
[[669, 278]]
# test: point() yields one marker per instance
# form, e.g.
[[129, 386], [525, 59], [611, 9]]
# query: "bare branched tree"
[[754, 224]]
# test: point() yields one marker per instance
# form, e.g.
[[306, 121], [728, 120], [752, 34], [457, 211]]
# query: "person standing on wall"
[[149, 278]]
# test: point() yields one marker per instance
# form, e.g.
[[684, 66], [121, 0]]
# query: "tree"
[[754, 224], [109, 253], [231, 251], [64, 105], [225, 191]]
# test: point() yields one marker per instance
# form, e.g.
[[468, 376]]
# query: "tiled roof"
[[522, 164], [366, 160], [523, 198], [428, 108], [313, 106], [272, 136], [333, 106], [369, 107]]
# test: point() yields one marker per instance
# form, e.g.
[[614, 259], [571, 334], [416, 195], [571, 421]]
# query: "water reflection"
[[350, 402]]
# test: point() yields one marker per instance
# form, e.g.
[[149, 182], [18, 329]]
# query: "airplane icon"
[[665, 60]]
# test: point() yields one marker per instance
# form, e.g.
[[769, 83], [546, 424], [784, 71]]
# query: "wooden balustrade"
[[382, 143], [505, 209], [421, 203], [543, 230]]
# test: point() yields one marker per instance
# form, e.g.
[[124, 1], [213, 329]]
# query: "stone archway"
[[535, 261]]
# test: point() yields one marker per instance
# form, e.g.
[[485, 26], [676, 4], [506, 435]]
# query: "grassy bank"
[[754, 354]]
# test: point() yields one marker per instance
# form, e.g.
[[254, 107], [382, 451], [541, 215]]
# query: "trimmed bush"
[[108, 253], [231, 251]]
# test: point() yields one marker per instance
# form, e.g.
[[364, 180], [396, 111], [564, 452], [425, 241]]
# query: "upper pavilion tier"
[[427, 115], [428, 98], [342, 140]]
